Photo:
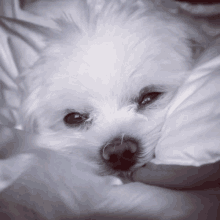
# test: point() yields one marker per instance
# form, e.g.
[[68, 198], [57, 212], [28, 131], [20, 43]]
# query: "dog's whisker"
[[122, 138]]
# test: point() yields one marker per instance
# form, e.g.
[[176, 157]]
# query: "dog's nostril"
[[127, 154], [124, 149], [113, 158]]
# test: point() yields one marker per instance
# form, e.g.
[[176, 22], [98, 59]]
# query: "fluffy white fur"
[[98, 63]]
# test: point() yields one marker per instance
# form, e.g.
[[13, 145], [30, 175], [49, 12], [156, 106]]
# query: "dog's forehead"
[[109, 67], [116, 63]]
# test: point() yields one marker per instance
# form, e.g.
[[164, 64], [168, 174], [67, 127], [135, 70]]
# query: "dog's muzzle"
[[121, 154]]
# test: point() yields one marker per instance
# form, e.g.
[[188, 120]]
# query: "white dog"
[[102, 86]]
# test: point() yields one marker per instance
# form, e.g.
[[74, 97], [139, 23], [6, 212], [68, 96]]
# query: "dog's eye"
[[149, 98], [74, 119]]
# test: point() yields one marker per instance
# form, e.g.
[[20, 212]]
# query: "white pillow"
[[191, 133]]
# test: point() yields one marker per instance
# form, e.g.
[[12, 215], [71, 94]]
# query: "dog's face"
[[103, 94]]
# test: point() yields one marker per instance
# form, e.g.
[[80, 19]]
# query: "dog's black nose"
[[120, 153]]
